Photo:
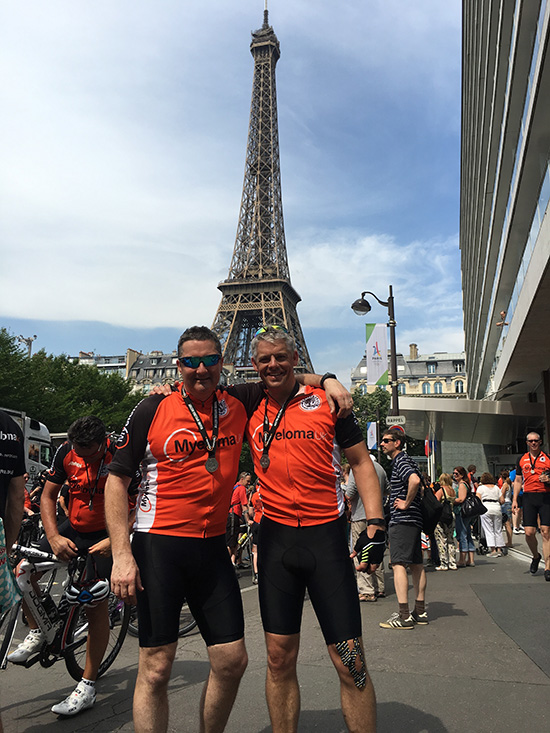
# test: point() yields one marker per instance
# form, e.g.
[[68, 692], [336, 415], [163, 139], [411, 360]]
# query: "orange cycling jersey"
[[257, 506], [86, 485], [178, 496], [531, 469], [301, 485], [238, 500]]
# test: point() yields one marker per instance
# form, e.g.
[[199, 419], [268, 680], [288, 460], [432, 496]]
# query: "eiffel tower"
[[258, 291]]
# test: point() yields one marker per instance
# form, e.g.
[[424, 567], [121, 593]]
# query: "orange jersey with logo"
[[531, 469], [301, 485], [178, 496], [86, 484]]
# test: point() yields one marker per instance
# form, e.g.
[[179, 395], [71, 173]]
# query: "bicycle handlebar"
[[31, 553]]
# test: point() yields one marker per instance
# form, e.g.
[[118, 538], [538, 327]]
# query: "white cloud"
[[123, 142]]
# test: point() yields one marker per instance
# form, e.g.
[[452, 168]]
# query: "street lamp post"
[[361, 307]]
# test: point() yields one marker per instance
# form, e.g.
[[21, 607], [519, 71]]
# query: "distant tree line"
[[57, 391]]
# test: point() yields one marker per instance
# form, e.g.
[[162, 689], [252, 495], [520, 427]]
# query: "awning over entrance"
[[470, 421]]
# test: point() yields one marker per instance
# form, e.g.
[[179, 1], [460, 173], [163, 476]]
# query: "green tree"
[[56, 391], [371, 407]]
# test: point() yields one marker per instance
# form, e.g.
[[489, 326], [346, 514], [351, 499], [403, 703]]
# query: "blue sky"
[[123, 143]]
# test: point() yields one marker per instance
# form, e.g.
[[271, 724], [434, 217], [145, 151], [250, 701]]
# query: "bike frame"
[[36, 561]]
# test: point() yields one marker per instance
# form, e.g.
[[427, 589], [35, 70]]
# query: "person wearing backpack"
[[404, 532], [445, 527]]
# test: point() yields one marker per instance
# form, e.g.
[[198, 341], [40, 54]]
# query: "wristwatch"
[[327, 375], [379, 522]]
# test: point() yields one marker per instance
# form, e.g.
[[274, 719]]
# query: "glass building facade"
[[505, 194]]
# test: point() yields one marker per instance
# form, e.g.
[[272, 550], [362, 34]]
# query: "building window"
[[401, 389], [426, 388], [363, 389], [431, 368], [459, 386], [459, 366], [438, 388]]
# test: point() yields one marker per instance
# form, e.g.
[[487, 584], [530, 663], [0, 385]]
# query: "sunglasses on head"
[[388, 440], [263, 329], [194, 362]]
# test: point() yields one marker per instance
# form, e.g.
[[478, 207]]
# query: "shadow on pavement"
[[392, 717], [440, 609]]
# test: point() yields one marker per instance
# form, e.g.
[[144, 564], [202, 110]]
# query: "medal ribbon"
[[94, 488], [533, 463], [269, 433], [209, 442]]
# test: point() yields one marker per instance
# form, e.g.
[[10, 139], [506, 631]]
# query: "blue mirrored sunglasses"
[[194, 362]]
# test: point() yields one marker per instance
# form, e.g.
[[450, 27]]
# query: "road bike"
[[64, 626]]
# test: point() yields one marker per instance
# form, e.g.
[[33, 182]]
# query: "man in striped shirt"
[[404, 532]]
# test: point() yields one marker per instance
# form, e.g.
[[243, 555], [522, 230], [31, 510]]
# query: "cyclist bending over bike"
[[82, 463]]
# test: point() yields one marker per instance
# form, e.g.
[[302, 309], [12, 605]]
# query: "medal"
[[532, 470], [269, 432], [211, 464]]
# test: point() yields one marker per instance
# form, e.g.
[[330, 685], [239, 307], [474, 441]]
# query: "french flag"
[[429, 446]]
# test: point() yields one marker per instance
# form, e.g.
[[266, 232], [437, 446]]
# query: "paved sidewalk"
[[482, 665]]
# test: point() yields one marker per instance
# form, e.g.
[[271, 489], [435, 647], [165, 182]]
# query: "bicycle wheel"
[[8, 622], [187, 622], [77, 634]]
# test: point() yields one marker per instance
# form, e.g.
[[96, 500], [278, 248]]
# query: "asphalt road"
[[481, 666]]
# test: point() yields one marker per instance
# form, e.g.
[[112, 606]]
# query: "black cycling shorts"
[[255, 532], [232, 530], [536, 504], [100, 565], [195, 569], [291, 559]]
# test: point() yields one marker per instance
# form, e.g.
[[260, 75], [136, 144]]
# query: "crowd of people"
[[161, 516]]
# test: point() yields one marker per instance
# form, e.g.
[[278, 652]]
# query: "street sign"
[[395, 420]]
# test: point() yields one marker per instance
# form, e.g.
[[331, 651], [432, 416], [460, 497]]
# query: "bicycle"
[[65, 626], [187, 622]]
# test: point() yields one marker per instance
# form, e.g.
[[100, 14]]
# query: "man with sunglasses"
[[533, 471], [188, 442], [404, 532]]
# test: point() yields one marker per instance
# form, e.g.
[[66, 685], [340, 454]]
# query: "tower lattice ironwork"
[[258, 291]]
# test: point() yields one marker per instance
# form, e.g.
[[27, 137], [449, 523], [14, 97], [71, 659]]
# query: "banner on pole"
[[372, 435], [377, 353]]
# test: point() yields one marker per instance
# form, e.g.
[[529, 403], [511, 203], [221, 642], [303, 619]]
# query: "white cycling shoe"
[[81, 698], [29, 646]]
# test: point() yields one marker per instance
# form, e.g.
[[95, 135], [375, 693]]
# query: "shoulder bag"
[[447, 515], [431, 508], [472, 506]]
